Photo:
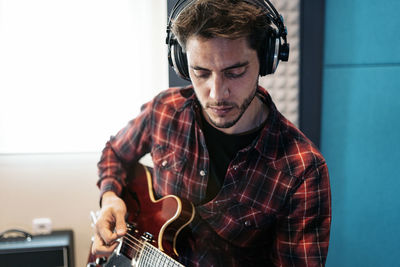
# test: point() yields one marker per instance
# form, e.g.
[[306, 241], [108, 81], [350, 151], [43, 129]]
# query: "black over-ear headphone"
[[272, 50]]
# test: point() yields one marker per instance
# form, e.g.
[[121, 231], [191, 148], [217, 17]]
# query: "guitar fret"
[[146, 259], [158, 259], [143, 254], [150, 256], [149, 260]]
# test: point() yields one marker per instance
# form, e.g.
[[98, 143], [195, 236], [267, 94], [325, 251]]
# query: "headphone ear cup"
[[179, 61], [262, 55], [269, 53]]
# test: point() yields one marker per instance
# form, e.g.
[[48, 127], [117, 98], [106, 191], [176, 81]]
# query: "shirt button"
[[202, 173], [247, 223], [164, 163]]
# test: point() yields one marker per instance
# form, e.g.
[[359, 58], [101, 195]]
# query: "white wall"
[[61, 187], [61, 98]]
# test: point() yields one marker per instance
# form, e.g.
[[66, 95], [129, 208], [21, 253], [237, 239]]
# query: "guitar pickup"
[[147, 237]]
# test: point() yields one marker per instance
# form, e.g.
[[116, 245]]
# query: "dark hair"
[[231, 19]]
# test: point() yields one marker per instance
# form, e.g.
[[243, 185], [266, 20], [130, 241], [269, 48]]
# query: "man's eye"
[[201, 74], [235, 73]]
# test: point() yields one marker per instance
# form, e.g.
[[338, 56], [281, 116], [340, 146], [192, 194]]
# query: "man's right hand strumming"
[[110, 225]]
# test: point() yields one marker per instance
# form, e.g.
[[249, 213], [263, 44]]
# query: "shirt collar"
[[268, 141]]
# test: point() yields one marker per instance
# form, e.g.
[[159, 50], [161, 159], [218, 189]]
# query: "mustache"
[[221, 104]]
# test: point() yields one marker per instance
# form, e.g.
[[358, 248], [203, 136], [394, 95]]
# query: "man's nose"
[[218, 89]]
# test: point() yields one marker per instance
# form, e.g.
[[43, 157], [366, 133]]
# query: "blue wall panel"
[[362, 32], [360, 133], [361, 142]]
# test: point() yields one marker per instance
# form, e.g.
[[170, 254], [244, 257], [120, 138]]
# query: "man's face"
[[224, 74]]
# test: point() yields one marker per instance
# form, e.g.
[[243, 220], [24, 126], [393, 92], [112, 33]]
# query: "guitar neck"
[[143, 254], [151, 256]]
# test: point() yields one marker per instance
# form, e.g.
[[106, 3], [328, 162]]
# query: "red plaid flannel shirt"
[[274, 208]]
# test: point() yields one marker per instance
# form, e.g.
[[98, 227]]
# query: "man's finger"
[[105, 231], [120, 225], [101, 248]]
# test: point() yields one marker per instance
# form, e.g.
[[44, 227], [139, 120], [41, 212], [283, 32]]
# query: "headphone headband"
[[275, 51], [272, 14]]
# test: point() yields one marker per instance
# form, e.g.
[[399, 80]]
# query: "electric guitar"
[[153, 226]]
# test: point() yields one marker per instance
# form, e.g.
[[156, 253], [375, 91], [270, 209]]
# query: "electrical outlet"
[[41, 226]]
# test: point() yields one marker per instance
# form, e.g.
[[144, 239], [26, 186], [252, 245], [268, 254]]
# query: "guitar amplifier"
[[51, 250]]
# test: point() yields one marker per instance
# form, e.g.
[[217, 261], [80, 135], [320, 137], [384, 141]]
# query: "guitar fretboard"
[[151, 256], [144, 254]]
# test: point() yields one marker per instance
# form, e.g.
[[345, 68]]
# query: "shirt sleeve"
[[303, 231], [127, 146]]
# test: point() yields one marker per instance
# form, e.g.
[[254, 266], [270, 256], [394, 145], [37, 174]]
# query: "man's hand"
[[110, 225]]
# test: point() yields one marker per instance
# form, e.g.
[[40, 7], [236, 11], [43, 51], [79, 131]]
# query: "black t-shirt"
[[222, 149]]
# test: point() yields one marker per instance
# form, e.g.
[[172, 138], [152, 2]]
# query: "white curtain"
[[73, 72]]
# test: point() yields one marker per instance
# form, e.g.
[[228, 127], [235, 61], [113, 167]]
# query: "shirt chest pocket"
[[168, 171], [247, 226]]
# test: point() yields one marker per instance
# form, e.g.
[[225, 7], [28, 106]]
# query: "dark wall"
[[312, 16]]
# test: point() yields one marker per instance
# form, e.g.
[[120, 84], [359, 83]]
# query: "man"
[[260, 187]]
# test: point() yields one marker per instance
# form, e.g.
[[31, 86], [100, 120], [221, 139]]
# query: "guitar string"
[[138, 245], [147, 250], [148, 254]]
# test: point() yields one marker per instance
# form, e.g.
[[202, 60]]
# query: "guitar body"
[[153, 225]]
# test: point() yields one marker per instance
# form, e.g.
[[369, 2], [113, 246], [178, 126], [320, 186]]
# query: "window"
[[74, 72]]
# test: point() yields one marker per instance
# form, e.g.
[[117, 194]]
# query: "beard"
[[242, 108]]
